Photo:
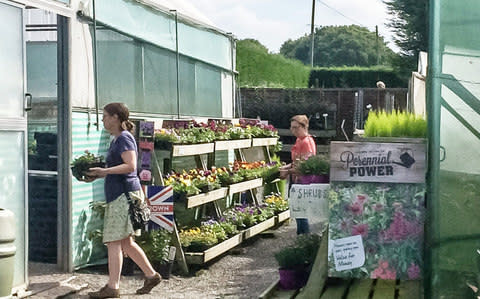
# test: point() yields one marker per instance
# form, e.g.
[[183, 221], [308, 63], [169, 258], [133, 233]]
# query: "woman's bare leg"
[[136, 253], [115, 261]]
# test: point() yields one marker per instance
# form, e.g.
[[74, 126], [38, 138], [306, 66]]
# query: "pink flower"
[[378, 207], [356, 208], [413, 271], [361, 198], [360, 229]]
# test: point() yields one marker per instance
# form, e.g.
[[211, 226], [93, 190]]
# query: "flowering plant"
[[389, 217], [247, 215], [193, 181], [276, 202], [208, 234], [257, 128]]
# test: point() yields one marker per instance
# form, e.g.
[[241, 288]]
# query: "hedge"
[[354, 77]]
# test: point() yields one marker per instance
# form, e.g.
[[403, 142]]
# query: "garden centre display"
[[377, 205]]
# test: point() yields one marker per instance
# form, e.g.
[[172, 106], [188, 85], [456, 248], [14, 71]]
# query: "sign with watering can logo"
[[378, 162]]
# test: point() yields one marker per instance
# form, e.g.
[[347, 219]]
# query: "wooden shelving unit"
[[199, 201]]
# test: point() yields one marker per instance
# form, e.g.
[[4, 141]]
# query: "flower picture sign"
[[388, 217]]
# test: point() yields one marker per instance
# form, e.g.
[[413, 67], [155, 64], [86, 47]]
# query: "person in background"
[[303, 148], [120, 178]]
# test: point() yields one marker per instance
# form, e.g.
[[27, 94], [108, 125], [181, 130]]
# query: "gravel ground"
[[243, 273]]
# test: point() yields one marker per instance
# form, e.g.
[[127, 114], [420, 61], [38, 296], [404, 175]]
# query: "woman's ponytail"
[[128, 126]]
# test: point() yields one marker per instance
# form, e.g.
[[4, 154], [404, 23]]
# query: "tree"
[[410, 25], [350, 45]]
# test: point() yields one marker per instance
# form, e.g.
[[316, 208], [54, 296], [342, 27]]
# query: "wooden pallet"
[[222, 145], [203, 198], [258, 228], [355, 289], [199, 258], [244, 186], [192, 149], [264, 141]]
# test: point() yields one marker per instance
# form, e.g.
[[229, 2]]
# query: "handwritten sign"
[[309, 201], [348, 253]]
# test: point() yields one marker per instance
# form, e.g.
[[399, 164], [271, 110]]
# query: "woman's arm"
[[129, 165]]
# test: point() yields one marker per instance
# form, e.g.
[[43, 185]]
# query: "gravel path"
[[244, 273]]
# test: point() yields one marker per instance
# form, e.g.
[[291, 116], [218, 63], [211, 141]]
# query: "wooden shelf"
[[258, 228], [203, 198], [199, 258], [244, 186], [192, 149], [222, 145], [282, 216], [264, 141]]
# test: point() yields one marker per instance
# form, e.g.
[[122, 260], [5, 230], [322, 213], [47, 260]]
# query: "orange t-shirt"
[[303, 148]]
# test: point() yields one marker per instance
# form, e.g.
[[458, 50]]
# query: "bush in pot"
[[156, 245], [295, 261], [315, 169]]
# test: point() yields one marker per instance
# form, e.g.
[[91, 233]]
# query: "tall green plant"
[[395, 124]]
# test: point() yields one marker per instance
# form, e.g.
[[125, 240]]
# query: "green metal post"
[[433, 116]]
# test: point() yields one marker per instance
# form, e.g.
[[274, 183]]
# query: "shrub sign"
[[377, 196]]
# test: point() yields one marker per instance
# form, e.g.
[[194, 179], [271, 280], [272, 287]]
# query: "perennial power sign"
[[160, 201], [377, 209], [377, 162]]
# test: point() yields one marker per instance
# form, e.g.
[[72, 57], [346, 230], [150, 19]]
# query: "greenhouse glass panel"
[[455, 230], [160, 81], [119, 70]]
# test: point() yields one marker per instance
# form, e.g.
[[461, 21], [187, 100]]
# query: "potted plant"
[[156, 245], [83, 163], [315, 169], [295, 261]]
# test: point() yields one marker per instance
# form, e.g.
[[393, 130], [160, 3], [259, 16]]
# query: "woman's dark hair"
[[121, 110]]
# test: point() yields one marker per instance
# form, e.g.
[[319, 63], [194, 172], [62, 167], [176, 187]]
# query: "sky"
[[272, 22]]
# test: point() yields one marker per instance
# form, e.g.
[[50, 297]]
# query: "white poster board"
[[309, 201]]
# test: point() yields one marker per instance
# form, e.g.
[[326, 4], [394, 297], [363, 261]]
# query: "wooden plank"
[[384, 289], [244, 186], [203, 198], [258, 228], [203, 257], [377, 162], [318, 276], [337, 290], [264, 141], [390, 139], [270, 290], [222, 145], [410, 289], [360, 289], [282, 216], [284, 294], [192, 149]]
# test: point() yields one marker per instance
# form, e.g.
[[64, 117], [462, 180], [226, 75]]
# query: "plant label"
[[348, 253]]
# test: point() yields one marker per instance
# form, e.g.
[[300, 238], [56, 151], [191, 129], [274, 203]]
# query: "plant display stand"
[[200, 201]]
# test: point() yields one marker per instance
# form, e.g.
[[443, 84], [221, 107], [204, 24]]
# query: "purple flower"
[[413, 271], [356, 208]]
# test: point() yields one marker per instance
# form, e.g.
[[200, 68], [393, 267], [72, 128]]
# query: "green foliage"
[[340, 46], [316, 165], [155, 244], [258, 68], [395, 124], [410, 25], [346, 77], [81, 164], [302, 253]]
